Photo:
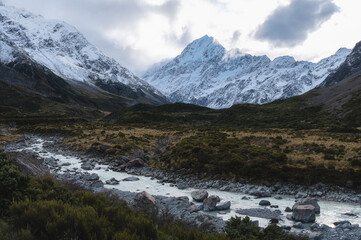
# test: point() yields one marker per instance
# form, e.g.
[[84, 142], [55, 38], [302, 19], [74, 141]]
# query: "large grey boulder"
[[209, 204], [304, 213], [308, 201], [144, 201], [199, 195], [223, 206]]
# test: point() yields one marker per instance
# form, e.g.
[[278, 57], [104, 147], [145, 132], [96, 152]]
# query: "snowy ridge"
[[205, 73], [61, 48]]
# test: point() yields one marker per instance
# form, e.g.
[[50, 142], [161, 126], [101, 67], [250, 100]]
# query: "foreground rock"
[[145, 202], [260, 213], [130, 179], [223, 206], [304, 213], [199, 195], [264, 203], [209, 204], [308, 201]]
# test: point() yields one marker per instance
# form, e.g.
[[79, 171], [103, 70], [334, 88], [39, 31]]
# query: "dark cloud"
[[93, 18], [289, 25], [236, 35]]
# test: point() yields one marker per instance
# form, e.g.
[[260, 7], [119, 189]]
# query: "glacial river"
[[330, 211]]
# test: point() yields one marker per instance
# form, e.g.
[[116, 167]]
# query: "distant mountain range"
[[206, 74], [53, 60]]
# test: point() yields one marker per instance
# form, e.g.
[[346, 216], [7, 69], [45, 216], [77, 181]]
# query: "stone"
[[193, 208], [264, 203], [350, 214], [301, 195], [274, 221], [223, 206], [286, 227], [199, 195], [245, 198], [66, 164], [304, 213], [112, 181], [182, 186], [298, 225], [274, 206], [144, 200], [308, 201], [135, 163], [314, 226], [130, 179], [87, 166], [288, 209], [92, 177], [278, 198], [340, 223], [209, 204]]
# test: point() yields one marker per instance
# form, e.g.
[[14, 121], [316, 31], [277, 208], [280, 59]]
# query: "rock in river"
[[199, 195], [264, 203], [209, 204], [92, 177], [308, 201], [223, 206], [304, 213], [130, 179]]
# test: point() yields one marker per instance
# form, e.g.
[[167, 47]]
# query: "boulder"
[[298, 225], [308, 201], [112, 181], [135, 163], [223, 206], [288, 209], [145, 201], [130, 179], [199, 195], [304, 213], [341, 223], [209, 204], [182, 186], [264, 203], [87, 166], [92, 177]]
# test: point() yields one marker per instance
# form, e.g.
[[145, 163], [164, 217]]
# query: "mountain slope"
[[63, 50], [208, 75], [351, 67]]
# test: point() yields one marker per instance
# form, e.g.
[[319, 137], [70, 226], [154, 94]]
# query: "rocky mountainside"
[[64, 51], [205, 73], [351, 67]]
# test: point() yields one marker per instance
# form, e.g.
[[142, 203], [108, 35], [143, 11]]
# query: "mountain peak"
[[204, 48]]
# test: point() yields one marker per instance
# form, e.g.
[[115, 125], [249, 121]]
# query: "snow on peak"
[[63, 49], [224, 78], [204, 48]]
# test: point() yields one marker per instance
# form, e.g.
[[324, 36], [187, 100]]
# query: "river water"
[[330, 211]]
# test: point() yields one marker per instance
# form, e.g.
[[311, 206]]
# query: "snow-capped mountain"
[[205, 73], [66, 52]]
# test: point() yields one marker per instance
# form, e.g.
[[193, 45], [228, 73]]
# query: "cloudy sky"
[[139, 33]]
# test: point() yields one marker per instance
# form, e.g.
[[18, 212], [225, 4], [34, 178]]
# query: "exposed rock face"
[[304, 213], [199, 195], [308, 201], [350, 67]]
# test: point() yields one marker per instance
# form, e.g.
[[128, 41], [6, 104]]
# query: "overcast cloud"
[[289, 25], [139, 33]]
